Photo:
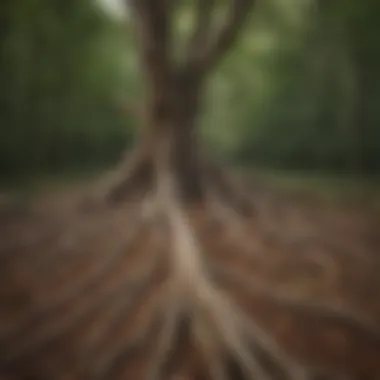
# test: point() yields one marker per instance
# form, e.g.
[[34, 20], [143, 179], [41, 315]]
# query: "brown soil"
[[81, 287]]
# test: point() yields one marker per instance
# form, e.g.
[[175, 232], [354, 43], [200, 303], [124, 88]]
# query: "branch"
[[203, 10], [210, 50], [152, 25]]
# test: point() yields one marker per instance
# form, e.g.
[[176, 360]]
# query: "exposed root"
[[232, 220], [166, 347], [76, 288], [137, 176], [42, 330], [120, 315], [133, 179], [105, 281], [229, 189], [139, 282], [218, 326], [254, 286], [118, 351], [280, 365]]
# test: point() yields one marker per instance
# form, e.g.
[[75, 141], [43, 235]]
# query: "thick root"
[[138, 175], [132, 179], [218, 326], [258, 288], [229, 189]]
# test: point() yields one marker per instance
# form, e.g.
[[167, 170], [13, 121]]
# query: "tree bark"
[[169, 135], [169, 129]]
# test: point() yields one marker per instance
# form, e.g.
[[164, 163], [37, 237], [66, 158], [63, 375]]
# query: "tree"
[[189, 305], [170, 165], [169, 141], [57, 92]]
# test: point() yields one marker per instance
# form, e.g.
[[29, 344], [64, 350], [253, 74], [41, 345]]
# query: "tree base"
[[139, 177]]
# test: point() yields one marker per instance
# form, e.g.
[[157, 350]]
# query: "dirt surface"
[[77, 293]]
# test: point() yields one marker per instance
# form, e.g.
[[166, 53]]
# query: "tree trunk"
[[169, 141], [169, 137]]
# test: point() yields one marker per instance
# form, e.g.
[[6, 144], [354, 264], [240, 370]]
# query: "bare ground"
[[306, 272]]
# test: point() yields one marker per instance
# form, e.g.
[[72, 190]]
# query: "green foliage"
[[300, 90], [308, 98], [61, 70]]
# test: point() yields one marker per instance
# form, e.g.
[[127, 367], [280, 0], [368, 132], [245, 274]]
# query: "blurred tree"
[[323, 75], [169, 145], [61, 65]]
